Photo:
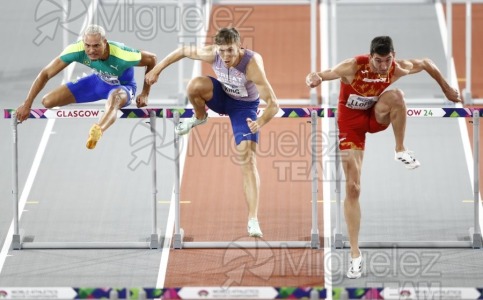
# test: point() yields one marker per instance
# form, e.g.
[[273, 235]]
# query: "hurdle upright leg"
[[477, 241], [154, 242], [178, 231], [338, 239], [16, 241], [314, 237]]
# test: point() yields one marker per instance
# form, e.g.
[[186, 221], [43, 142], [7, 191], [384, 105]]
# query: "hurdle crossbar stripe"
[[476, 234], [298, 112], [17, 242], [178, 243], [429, 112], [85, 113], [284, 112]]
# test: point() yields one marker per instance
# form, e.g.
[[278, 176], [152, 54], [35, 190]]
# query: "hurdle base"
[[477, 241], [154, 242], [16, 242], [85, 245], [27, 242], [257, 244], [178, 239], [413, 244], [314, 240], [338, 241], [473, 240]]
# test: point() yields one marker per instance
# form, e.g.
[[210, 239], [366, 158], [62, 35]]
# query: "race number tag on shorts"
[[360, 102], [109, 79], [237, 91]]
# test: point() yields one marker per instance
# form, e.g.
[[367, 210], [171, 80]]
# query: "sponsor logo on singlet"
[[374, 80]]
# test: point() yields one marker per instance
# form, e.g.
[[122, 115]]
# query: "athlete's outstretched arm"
[[343, 70], [148, 60], [256, 73], [49, 71], [412, 66], [206, 54]]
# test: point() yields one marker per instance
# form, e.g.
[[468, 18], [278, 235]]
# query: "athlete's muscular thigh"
[[201, 87], [60, 96], [388, 102]]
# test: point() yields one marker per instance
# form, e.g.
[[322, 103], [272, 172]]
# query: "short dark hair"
[[382, 45], [227, 36]]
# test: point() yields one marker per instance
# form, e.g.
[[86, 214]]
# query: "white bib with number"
[[360, 102], [234, 90]]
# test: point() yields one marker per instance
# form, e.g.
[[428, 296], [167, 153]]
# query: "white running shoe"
[[254, 228], [185, 127], [356, 267], [408, 159]]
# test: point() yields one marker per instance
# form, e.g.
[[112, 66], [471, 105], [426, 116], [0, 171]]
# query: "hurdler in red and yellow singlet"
[[356, 104]]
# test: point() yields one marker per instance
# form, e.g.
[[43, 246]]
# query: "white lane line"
[[27, 188], [327, 186], [163, 264]]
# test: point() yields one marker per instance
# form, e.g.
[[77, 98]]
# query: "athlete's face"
[[94, 46], [382, 64], [229, 54]]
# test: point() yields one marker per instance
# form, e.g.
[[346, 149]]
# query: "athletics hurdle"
[[475, 238], [17, 240], [314, 243]]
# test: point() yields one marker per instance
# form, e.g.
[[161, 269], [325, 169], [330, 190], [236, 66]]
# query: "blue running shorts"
[[91, 88], [237, 110]]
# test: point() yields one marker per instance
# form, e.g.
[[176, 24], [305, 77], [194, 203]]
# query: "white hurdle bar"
[[152, 242], [474, 233], [314, 242]]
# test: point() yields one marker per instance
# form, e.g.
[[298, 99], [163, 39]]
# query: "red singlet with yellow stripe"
[[356, 104]]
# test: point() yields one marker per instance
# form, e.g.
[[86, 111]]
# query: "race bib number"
[[360, 102], [109, 79], [235, 91]]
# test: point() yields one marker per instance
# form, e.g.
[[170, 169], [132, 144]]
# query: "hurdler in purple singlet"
[[235, 96]]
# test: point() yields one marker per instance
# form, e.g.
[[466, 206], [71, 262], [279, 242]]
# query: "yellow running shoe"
[[95, 134]]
